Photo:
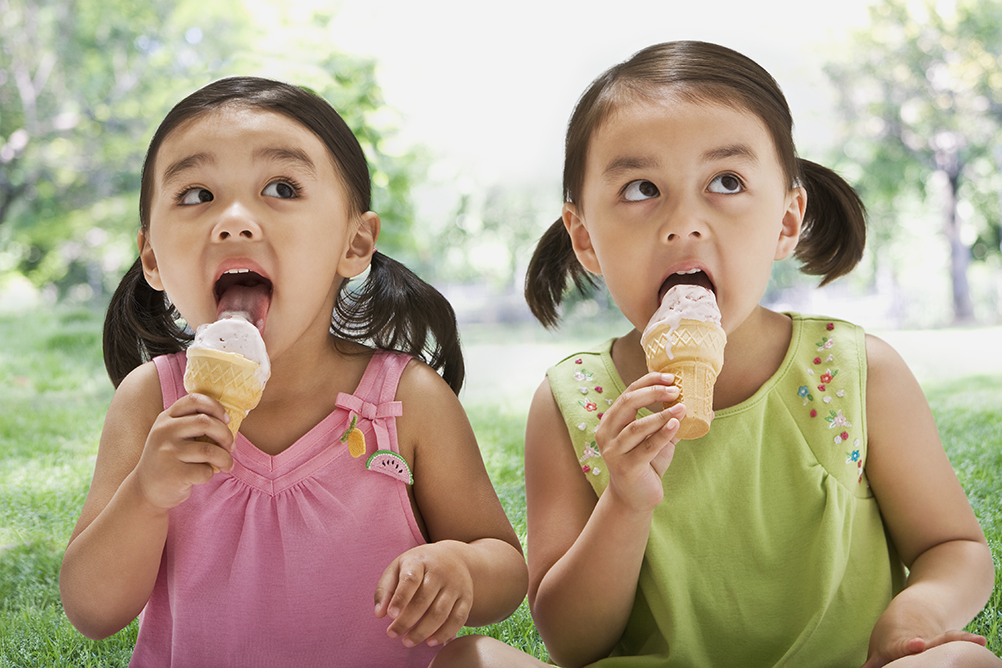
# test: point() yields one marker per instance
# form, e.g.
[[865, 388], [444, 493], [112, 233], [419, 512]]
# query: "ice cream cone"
[[230, 378], [694, 352]]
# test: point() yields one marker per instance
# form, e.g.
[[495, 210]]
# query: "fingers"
[[187, 444], [645, 391], [427, 601]]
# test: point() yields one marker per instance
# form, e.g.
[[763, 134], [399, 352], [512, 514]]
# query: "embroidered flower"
[[586, 468], [817, 360], [596, 470], [852, 457], [825, 343], [814, 413], [836, 419], [589, 406], [598, 388], [830, 326], [578, 361], [821, 387], [589, 452], [583, 390], [803, 391], [840, 394], [582, 426], [583, 376], [828, 376]]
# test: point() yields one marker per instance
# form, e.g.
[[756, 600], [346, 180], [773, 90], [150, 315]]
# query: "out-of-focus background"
[[462, 106]]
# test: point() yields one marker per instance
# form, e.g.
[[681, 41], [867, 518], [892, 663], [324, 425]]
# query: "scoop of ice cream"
[[692, 302], [234, 334]]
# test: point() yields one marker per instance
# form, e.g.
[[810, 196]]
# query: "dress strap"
[[373, 400], [170, 369]]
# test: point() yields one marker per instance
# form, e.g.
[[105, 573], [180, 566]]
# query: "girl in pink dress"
[[284, 546]]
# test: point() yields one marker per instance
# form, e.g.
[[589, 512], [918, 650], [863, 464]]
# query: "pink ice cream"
[[691, 302]]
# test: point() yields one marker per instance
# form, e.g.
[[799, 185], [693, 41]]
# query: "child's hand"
[[895, 637], [173, 461], [637, 452], [427, 592]]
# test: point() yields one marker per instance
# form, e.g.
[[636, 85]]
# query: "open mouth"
[[246, 292], [691, 277]]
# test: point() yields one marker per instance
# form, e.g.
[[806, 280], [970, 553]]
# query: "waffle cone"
[[694, 352], [230, 378]]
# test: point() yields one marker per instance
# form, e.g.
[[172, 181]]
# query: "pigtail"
[[139, 325], [553, 263], [393, 309], [834, 229]]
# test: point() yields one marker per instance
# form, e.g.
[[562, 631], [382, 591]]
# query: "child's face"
[[245, 189], [672, 186]]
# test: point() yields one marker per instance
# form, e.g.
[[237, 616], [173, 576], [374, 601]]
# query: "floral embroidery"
[[829, 384], [598, 388], [578, 361], [583, 375], [589, 452], [589, 406], [586, 468], [582, 426], [836, 419]]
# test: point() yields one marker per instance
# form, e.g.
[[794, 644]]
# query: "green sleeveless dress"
[[768, 549]]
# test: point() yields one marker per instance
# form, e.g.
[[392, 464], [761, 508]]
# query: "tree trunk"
[[960, 254]]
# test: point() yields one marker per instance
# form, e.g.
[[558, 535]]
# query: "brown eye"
[[196, 196], [637, 191], [726, 184], [280, 189]]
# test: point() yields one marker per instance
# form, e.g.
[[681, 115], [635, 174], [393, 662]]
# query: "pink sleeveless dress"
[[276, 563]]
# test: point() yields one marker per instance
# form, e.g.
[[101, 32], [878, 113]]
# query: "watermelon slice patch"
[[390, 463]]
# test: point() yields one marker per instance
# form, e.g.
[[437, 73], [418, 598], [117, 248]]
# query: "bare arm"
[[926, 512], [113, 557], [472, 572], [573, 537]]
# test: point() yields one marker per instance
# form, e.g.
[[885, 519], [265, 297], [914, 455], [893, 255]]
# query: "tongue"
[[698, 278], [250, 301]]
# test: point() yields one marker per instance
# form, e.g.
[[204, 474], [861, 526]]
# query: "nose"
[[236, 222], [683, 221]]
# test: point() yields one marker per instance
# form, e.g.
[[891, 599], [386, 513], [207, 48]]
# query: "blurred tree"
[[920, 91], [83, 84]]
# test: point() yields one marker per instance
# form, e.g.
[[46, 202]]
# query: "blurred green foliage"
[[83, 85], [920, 89]]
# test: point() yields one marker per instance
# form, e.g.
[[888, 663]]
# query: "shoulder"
[[135, 407], [421, 385]]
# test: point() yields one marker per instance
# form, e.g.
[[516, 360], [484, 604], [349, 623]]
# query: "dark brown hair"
[[834, 230], [393, 309]]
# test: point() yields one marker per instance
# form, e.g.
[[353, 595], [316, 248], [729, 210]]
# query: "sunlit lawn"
[[53, 394]]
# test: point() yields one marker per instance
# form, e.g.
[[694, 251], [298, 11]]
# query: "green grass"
[[54, 393]]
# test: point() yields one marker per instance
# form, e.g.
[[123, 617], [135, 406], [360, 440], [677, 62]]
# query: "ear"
[[580, 238], [793, 220], [361, 246], [149, 260]]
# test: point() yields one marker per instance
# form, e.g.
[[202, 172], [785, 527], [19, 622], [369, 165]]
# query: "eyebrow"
[[626, 164], [730, 151], [276, 154], [184, 164], [630, 163], [283, 154]]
